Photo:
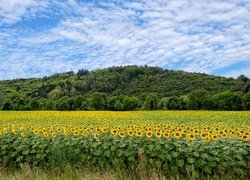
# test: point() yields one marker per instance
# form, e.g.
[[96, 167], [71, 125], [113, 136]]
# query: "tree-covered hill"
[[136, 81]]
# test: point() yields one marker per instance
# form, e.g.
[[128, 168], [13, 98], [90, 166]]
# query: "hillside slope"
[[117, 81]]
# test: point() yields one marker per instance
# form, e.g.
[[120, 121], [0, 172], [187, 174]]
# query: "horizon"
[[43, 38], [75, 72]]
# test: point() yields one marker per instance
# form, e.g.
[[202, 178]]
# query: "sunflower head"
[[139, 134], [96, 136], [121, 134], [149, 134]]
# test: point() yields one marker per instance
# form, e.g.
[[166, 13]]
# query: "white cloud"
[[200, 36], [12, 11]]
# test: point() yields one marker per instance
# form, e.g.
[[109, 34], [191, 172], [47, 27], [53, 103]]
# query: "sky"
[[42, 37]]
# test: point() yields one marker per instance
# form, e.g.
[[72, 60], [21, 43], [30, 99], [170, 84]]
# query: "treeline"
[[196, 100], [126, 88]]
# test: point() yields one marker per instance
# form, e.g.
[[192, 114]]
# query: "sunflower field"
[[204, 143]]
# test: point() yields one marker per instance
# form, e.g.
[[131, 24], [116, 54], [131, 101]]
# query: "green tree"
[[111, 102], [79, 103], [246, 101], [34, 104], [130, 103], [55, 93], [227, 101], [118, 105], [196, 99], [98, 101], [2, 99], [7, 105], [50, 105], [63, 104], [151, 102]]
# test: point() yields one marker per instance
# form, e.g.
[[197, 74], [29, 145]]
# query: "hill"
[[120, 81]]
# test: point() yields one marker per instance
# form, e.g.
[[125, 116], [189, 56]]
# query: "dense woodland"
[[126, 88]]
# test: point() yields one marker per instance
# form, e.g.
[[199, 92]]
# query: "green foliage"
[[131, 103], [246, 101], [1, 100], [118, 105], [175, 157], [64, 104], [50, 105], [151, 102], [227, 101], [118, 82], [98, 101], [197, 98]]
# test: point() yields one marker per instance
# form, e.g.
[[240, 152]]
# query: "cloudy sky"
[[43, 37]]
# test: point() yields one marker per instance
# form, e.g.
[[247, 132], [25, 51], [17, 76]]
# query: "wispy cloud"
[[200, 36]]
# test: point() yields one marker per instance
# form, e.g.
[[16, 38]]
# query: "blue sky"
[[43, 37]]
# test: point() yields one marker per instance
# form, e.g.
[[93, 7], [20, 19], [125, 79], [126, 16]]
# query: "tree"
[[246, 101], [50, 105], [196, 99], [243, 78], [98, 101], [79, 103], [164, 103], [151, 102], [1, 100], [63, 104], [227, 101], [130, 103], [7, 105], [34, 104], [55, 93], [118, 105], [111, 102]]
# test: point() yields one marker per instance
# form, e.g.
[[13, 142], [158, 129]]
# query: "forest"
[[126, 88]]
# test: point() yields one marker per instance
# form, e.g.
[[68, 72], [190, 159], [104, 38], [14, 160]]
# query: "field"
[[172, 144]]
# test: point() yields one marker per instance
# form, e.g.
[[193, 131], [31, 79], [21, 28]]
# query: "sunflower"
[[5, 130], [224, 135], [65, 132], [22, 134], [59, 130], [121, 134], [53, 135], [244, 138], [158, 134], [203, 135], [138, 133], [215, 137], [97, 129], [130, 133], [149, 134], [104, 130], [207, 140], [177, 135], [191, 137], [114, 131], [166, 135], [13, 131], [96, 136], [35, 131], [45, 134], [76, 133]]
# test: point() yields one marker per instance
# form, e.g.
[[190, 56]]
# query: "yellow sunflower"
[[122, 135], [96, 136], [177, 135], [139, 134]]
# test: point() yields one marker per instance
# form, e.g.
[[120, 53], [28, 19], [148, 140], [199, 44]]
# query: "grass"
[[84, 173], [69, 172]]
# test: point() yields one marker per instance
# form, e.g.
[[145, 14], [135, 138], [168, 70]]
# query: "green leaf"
[[191, 160], [181, 163]]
